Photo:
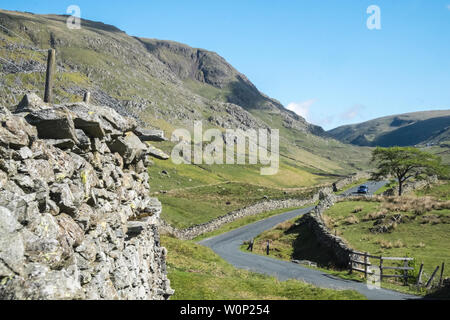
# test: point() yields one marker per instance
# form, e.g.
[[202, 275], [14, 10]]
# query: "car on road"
[[363, 189]]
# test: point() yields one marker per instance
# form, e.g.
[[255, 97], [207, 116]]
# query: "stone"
[[128, 147], [9, 166], [24, 182], [117, 121], [64, 199], [87, 120], [12, 252], [4, 111], [56, 123], [8, 222], [71, 231], [150, 135], [135, 228], [63, 144], [65, 209], [31, 102], [85, 142], [38, 170], [25, 153], [157, 153], [16, 132]]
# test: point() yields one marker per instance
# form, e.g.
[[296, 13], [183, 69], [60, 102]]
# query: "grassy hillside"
[[168, 85], [197, 273], [422, 232], [193, 194], [428, 127]]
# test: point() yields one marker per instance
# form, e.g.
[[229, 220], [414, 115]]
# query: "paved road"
[[228, 247], [374, 186]]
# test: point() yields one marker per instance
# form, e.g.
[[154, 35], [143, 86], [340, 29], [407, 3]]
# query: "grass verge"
[[197, 273]]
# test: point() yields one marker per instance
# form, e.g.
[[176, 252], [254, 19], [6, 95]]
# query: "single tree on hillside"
[[405, 163]]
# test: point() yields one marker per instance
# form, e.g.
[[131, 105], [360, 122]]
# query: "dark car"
[[363, 189]]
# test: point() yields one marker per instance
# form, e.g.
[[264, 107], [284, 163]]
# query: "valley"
[[166, 86]]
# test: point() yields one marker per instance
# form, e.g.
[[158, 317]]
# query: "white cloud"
[[301, 108], [448, 6], [352, 113]]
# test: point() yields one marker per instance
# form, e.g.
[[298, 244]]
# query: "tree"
[[405, 163]]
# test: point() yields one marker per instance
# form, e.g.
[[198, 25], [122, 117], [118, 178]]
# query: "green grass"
[[186, 207], [440, 191], [418, 236], [197, 273]]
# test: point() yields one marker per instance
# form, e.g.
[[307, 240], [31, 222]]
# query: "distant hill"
[[409, 129]]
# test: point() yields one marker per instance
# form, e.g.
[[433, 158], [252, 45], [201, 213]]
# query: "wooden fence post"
[[48, 94], [405, 272], [365, 264], [87, 97], [432, 277], [381, 269], [419, 278], [442, 274]]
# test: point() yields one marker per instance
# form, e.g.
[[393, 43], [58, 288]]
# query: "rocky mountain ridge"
[[143, 78]]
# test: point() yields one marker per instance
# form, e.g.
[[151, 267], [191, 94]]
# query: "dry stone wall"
[[261, 207], [76, 218], [352, 179], [411, 186], [342, 252], [258, 208]]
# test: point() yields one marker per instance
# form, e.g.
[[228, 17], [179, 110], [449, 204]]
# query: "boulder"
[[87, 120], [64, 199], [11, 244], [85, 142], [63, 144], [56, 123], [31, 102], [15, 132], [157, 153], [129, 147], [116, 121], [150, 135]]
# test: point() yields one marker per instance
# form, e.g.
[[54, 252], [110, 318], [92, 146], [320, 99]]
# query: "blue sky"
[[316, 57]]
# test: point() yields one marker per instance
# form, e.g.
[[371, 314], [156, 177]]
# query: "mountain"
[[162, 84], [409, 129]]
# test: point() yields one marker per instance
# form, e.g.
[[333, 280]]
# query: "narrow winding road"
[[228, 247]]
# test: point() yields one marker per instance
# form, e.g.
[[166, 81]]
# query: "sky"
[[317, 57]]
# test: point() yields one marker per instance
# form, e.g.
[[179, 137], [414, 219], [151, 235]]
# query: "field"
[[197, 273], [193, 194], [421, 229], [440, 191]]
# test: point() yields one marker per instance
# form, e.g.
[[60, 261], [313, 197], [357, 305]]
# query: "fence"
[[367, 265]]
